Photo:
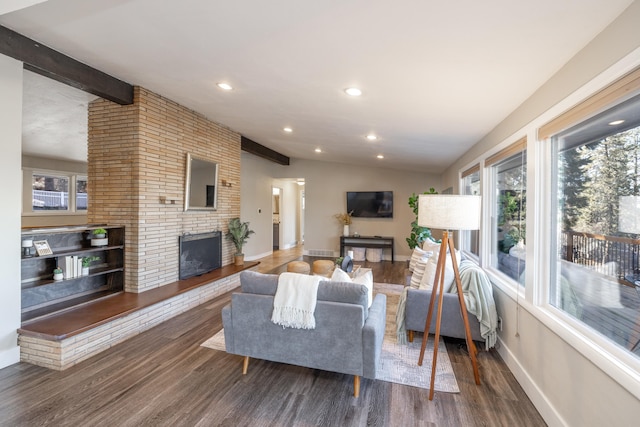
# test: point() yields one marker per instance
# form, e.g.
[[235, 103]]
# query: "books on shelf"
[[72, 267]]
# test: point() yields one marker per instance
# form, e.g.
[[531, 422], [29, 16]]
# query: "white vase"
[[85, 271], [345, 230], [58, 276]]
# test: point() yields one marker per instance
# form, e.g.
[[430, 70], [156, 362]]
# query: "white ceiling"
[[436, 76]]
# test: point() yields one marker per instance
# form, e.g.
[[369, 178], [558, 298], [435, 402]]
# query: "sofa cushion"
[[252, 282]]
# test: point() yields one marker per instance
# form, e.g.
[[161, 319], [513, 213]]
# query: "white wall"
[[10, 135], [570, 380], [326, 185]]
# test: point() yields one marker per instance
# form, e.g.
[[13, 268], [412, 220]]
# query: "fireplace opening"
[[200, 253]]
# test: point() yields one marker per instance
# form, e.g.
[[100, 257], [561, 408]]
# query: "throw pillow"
[[418, 272], [417, 255], [362, 279], [430, 272], [431, 246], [339, 275]]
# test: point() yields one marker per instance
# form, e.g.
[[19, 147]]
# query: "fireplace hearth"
[[200, 253]]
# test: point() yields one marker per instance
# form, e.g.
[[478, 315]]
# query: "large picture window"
[[596, 265], [508, 172]]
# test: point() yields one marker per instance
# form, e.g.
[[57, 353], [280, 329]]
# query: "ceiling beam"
[[53, 64], [261, 151]]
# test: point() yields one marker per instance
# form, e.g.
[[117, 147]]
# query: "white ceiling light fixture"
[[287, 129], [372, 137], [353, 91], [616, 122], [317, 150], [225, 86], [380, 156]]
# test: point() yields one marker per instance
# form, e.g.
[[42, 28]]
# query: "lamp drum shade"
[[449, 212]]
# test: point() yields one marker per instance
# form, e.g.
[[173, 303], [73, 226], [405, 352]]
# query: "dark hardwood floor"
[[163, 377]]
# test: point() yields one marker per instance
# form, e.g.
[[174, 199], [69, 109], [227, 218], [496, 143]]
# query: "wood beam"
[[261, 151], [53, 64]]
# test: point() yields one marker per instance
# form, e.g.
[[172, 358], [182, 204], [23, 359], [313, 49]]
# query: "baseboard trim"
[[538, 398]]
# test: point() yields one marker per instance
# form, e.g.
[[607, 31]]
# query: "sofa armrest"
[[452, 324], [372, 336], [227, 324]]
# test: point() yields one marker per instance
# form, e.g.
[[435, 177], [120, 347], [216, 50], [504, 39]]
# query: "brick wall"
[[137, 155]]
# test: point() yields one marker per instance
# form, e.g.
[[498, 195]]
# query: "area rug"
[[398, 363]]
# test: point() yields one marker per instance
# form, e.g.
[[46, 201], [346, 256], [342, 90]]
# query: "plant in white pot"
[[99, 237], [238, 233], [86, 262]]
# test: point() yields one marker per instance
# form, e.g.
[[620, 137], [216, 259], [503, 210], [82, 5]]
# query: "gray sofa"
[[451, 324], [347, 338]]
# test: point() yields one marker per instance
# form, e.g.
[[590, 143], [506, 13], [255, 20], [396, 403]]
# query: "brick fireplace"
[[136, 169]]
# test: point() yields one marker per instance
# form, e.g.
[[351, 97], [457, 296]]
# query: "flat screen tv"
[[370, 204]]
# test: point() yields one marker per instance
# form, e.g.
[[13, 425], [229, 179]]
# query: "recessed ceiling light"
[[380, 156], [353, 91], [318, 150], [225, 86], [287, 129], [371, 137], [616, 122]]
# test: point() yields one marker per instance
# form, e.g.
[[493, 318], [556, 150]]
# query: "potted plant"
[[99, 237], [345, 220], [238, 233], [86, 262], [418, 234], [57, 274]]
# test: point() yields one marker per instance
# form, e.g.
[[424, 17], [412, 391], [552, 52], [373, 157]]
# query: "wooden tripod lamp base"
[[447, 212]]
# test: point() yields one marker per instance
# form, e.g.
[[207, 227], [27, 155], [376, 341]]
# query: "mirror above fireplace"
[[201, 189]]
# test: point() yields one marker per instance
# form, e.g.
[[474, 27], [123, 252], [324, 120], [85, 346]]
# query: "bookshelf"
[[42, 295]]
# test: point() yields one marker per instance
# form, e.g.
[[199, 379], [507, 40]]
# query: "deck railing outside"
[[597, 251]]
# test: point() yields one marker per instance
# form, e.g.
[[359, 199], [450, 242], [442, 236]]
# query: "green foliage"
[[339, 261], [86, 261], [99, 231], [57, 270], [418, 234], [238, 233]]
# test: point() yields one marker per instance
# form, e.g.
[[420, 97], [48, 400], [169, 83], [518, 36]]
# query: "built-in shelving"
[[42, 296]]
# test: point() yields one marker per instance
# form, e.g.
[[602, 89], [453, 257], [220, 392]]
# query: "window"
[[508, 206], [81, 193], [471, 186], [51, 190], [596, 228]]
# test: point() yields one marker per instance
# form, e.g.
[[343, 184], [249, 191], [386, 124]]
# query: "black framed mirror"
[[201, 189]]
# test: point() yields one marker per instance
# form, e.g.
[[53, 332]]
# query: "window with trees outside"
[[596, 253], [508, 172], [471, 186]]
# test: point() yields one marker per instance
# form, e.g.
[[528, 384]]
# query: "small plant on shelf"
[[99, 237], [86, 261], [99, 233], [57, 273]]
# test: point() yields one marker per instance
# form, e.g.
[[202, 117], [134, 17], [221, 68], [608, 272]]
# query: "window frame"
[[27, 203]]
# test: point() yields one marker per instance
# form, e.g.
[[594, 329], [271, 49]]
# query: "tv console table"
[[366, 242]]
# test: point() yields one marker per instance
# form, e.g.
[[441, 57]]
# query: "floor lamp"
[[447, 212]]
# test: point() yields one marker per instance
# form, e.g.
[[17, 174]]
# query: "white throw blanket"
[[295, 300]]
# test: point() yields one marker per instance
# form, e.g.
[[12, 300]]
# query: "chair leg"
[[410, 336], [356, 386], [245, 365]]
